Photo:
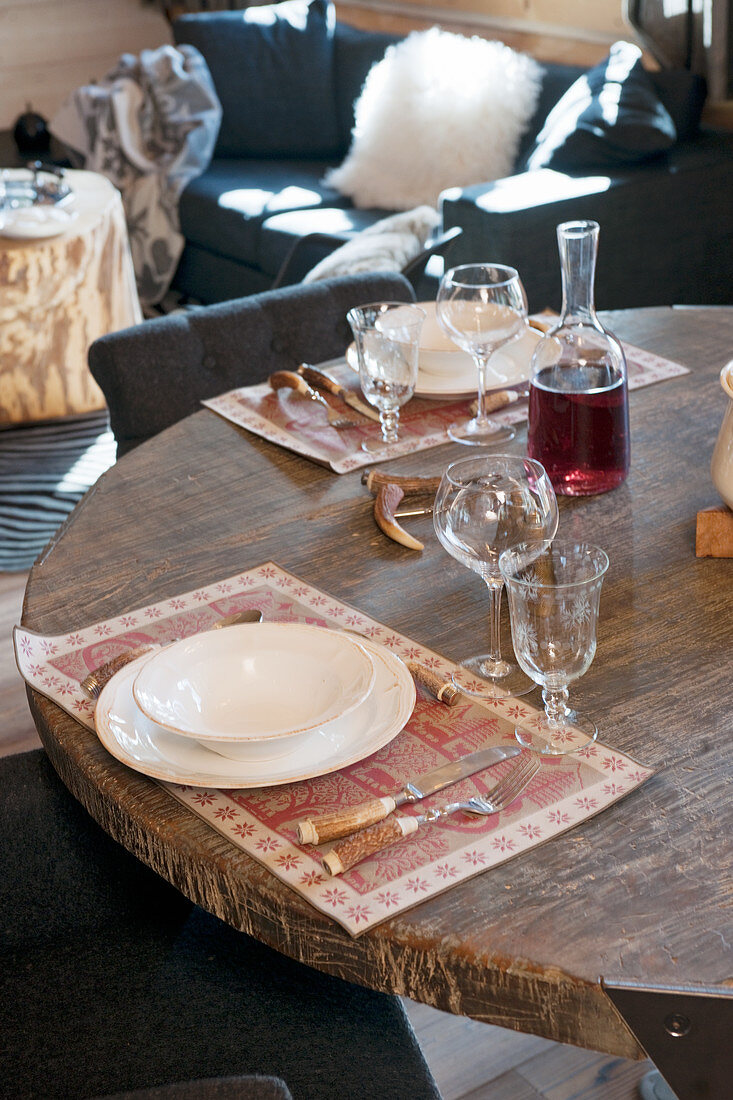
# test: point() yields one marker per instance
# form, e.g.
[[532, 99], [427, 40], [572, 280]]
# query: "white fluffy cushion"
[[385, 246], [440, 110]]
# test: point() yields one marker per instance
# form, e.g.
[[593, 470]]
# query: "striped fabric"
[[44, 470]]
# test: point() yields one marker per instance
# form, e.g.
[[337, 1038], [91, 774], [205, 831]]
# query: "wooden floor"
[[470, 1061]]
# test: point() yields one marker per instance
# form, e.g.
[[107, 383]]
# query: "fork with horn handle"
[[353, 850], [321, 381], [288, 379]]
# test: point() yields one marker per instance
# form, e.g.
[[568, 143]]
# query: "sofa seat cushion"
[[273, 70], [280, 233], [612, 115], [223, 210]]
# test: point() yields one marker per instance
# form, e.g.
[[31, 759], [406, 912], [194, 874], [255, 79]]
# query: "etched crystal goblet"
[[554, 594], [387, 339]]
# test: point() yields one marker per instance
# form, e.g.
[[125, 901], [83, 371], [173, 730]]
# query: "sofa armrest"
[[666, 227]]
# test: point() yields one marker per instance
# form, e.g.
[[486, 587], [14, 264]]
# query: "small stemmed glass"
[[481, 307], [387, 339], [554, 593], [485, 504]]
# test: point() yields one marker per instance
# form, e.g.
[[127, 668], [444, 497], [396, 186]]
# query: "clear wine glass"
[[481, 307], [387, 339], [554, 593], [485, 504]]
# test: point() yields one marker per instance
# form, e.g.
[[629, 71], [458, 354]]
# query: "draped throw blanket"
[[150, 127]]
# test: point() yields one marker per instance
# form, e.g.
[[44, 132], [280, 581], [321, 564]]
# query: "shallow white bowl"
[[254, 682], [389, 695], [438, 354]]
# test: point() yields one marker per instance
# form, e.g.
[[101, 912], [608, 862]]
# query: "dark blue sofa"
[[288, 77]]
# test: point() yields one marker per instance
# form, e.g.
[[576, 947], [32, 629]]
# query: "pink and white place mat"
[[565, 792], [298, 424]]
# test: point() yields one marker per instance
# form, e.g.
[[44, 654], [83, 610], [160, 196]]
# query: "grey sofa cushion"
[[224, 208], [355, 51], [611, 115], [273, 70]]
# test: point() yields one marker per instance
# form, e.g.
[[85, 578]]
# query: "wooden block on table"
[[714, 534]]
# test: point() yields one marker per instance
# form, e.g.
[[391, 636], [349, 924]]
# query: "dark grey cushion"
[[556, 79], [223, 209], [611, 115], [272, 68], [355, 51], [111, 980], [154, 374], [683, 94]]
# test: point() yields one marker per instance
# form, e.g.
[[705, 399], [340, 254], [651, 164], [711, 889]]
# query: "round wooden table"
[[57, 295], [638, 894]]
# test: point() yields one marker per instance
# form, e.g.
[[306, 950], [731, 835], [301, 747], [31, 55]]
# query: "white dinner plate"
[[29, 223], [255, 681], [133, 739], [513, 361]]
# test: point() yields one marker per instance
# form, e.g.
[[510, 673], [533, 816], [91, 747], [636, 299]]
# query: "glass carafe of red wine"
[[578, 400]]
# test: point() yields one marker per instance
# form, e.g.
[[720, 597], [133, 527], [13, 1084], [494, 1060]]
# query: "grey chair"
[[155, 373], [111, 981]]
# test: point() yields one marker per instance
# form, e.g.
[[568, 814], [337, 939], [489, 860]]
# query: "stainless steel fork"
[[351, 851]]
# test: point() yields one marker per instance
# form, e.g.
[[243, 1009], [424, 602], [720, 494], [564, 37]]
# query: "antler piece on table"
[[385, 505], [373, 479], [389, 490]]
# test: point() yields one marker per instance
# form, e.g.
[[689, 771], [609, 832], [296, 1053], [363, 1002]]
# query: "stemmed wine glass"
[[554, 592], [485, 504], [387, 338], [481, 307]]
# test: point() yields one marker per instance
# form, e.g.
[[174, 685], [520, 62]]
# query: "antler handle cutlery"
[[343, 822], [349, 852]]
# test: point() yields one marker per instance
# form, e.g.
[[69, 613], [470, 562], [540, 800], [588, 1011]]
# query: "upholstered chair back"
[[158, 372]]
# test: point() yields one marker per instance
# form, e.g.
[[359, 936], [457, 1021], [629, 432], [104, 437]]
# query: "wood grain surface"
[[640, 893]]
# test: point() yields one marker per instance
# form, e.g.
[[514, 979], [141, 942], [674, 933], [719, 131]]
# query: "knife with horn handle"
[[332, 826], [323, 381]]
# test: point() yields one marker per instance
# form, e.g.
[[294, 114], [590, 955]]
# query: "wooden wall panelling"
[[50, 47], [570, 31]]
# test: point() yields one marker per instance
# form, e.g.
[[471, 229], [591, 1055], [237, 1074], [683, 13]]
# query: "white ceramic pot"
[[721, 466]]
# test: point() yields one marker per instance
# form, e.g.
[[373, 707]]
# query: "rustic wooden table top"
[[640, 893]]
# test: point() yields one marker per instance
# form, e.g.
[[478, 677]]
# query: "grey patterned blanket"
[[150, 126]]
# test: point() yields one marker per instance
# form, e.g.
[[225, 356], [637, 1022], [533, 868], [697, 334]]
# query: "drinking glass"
[[387, 338], [485, 504], [481, 307], [554, 593]]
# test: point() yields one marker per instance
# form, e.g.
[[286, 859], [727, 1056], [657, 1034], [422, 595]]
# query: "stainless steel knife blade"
[[447, 774]]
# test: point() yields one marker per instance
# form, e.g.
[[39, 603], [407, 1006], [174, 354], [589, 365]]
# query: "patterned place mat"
[[299, 425], [565, 792]]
